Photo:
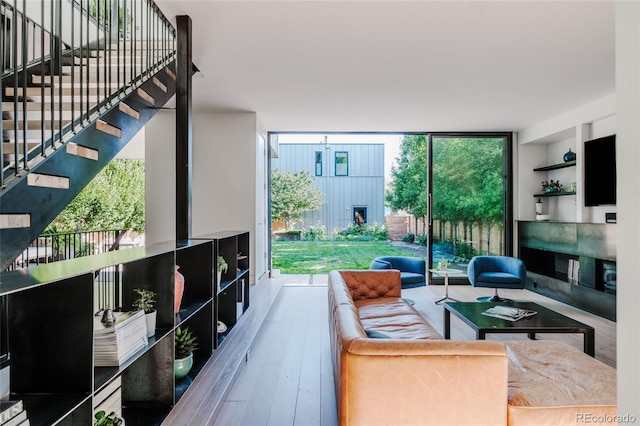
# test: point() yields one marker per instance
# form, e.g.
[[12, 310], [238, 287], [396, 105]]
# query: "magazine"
[[508, 313]]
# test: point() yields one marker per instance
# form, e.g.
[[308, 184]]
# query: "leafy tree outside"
[[114, 199], [293, 194]]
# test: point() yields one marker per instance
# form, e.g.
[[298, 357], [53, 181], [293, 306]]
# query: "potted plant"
[[112, 419], [185, 344], [144, 301], [222, 269]]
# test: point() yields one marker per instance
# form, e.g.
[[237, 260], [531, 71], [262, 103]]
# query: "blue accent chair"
[[412, 269], [496, 272]]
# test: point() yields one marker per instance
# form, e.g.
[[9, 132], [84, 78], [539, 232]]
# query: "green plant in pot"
[[111, 419], [144, 302], [222, 269], [185, 344]]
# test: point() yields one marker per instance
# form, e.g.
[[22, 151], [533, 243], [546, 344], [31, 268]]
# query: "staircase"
[[71, 100]]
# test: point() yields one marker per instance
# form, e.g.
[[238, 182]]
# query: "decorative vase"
[[219, 279], [181, 367], [150, 318], [569, 156], [179, 290]]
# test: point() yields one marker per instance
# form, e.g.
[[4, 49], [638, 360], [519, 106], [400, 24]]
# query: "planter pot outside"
[[151, 323], [181, 367]]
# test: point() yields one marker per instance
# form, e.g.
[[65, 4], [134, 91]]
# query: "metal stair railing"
[[79, 58]]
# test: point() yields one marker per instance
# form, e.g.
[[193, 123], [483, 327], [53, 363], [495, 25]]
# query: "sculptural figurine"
[[108, 318]]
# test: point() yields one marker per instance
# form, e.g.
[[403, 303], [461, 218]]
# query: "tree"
[[407, 189], [293, 194], [114, 199]]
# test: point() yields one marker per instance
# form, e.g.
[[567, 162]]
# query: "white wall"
[[628, 159], [544, 144], [228, 181]]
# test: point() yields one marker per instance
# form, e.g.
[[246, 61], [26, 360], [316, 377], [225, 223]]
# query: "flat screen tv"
[[600, 171]]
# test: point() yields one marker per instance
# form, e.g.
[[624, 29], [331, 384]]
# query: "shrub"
[[362, 232], [315, 233], [422, 240], [465, 250], [409, 237]]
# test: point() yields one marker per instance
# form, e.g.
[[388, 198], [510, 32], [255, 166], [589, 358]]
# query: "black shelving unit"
[[554, 194], [50, 315], [556, 166]]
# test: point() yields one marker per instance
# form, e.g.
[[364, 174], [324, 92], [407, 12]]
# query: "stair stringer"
[[43, 204]]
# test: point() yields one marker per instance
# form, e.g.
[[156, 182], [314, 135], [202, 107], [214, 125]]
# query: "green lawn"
[[320, 257]]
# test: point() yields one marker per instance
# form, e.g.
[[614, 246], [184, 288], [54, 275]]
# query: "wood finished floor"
[[287, 379]]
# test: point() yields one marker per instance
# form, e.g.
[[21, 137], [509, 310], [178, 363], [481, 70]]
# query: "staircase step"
[[66, 91], [10, 148], [66, 78], [128, 110], [147, 97], [105, 127], [11, 221], [37, 115], [8, 125], [47, 181], [82, 151], [8, 107]]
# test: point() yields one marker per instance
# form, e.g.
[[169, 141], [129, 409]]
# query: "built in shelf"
[[555, 194], [556, 166]]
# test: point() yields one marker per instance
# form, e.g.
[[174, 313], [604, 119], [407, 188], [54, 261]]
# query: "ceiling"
[[399, 66]]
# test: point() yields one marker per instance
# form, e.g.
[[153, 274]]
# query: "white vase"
[[219, 279], [150, 318]]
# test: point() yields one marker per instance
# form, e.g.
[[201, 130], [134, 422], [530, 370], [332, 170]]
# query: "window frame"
[[336, 163]]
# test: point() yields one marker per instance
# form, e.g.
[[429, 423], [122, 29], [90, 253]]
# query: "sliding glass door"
[[469, 198]]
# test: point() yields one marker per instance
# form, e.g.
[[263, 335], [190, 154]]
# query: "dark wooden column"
[[183, 129]]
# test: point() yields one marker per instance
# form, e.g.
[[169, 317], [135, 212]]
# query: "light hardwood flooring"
[[287, 379]]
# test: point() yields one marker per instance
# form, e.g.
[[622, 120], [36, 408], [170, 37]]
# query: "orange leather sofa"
[[391, 367]]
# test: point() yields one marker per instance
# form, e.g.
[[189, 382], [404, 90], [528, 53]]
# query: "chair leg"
[[495, 298]]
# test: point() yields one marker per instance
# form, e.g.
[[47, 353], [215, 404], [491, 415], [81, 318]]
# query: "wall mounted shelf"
[[556, 166], [555, 194]]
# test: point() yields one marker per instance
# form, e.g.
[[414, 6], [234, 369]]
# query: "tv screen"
[[600, 171]]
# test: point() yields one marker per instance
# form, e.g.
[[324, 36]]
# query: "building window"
[[359, 215], [318, 163], [342, 163]]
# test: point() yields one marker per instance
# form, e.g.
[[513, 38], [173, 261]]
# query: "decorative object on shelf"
[[574, 187], [185, 344], [552, 186], [569, 156], [179, 290], [108, 317], [542, 217], [222, 269], [443, 265], [538, 207], [144, 302], [222, 327], [112, 419], [240, 256]]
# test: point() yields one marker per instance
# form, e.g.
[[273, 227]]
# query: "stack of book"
[[573, 272], [113, 345], [508, 313], [12, 413]]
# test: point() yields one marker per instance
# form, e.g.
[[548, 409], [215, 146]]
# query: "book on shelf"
[[573, 272], [19, 419], [9, 409], [114, 345], [509, 313]]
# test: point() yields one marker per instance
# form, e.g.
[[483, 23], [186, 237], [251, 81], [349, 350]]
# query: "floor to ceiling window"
[[469, 191]]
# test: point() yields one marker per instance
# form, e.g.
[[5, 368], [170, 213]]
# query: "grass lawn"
[[320, 257]]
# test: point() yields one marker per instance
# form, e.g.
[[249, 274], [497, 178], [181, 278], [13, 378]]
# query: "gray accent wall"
[[363, 187]]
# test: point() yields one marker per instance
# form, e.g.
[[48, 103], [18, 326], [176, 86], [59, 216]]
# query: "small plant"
[[315, 233], [146, 299], [409, 237], [422, 240], [222, 265], [443, 265], [552, 186], [102, 419], [185, 343]]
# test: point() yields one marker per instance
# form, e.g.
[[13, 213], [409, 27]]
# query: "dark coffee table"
[[545, 321]]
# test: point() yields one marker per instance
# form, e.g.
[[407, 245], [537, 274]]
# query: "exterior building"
[[351, 177]]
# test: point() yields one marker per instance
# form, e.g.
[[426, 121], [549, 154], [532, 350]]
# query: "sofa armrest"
[[371, 284]]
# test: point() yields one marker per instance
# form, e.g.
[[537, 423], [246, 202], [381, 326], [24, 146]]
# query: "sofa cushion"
[[552, 383], [395, 318], [411, 278], [498, 278], [380, 264]]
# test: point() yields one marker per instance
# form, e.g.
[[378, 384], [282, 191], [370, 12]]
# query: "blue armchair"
[[496, 272], [412, 269]]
